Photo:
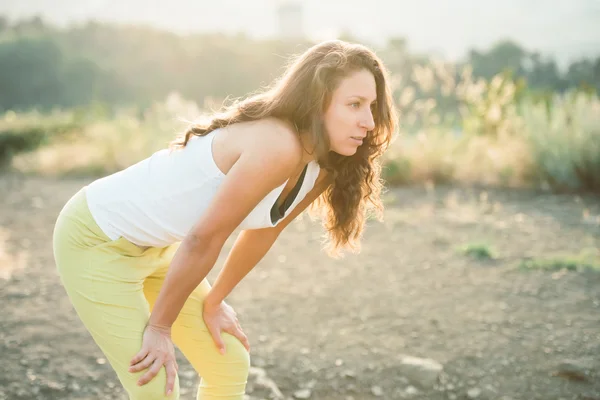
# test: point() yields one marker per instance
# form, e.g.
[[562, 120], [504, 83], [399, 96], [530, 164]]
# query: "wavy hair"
[[301, 96]]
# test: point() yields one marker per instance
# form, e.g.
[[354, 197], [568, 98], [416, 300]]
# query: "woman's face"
[[349, 116]]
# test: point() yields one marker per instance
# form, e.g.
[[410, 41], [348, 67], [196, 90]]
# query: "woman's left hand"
[[221, 317]]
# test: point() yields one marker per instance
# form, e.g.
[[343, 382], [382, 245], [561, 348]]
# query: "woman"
[[133, 249]]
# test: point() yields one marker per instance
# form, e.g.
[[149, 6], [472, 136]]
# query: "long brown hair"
[[300, 96]]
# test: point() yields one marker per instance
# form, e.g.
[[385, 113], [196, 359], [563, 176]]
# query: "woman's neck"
[[309, 152]]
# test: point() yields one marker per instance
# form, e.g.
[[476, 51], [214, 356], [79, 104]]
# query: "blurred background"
[[496, 85]]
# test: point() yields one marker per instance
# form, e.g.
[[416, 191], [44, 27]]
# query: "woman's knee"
[[234, 365], [235, 352], [154, 390], [226, 376]]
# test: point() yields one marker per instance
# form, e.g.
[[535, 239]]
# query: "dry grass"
[[460, 129]]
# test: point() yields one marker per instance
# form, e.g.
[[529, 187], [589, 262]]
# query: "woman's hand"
[[157, 350], [221, 317]]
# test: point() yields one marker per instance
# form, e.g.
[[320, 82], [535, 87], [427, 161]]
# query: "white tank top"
[[156, 201]]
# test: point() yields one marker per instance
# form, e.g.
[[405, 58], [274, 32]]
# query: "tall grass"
[[565, 141], [496, 132], [453, 128], [106, 144]]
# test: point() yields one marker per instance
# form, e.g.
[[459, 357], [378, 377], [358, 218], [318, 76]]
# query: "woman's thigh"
[[223, 376], [104, 282]]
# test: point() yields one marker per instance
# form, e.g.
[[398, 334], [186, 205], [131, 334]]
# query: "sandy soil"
[[338, 329]]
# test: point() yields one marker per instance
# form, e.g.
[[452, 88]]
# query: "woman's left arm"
[[251, 246]]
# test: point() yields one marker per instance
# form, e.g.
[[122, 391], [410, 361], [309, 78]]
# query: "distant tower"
[[289, 19]]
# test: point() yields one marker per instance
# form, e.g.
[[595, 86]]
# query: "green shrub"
[[557, 263], [480, 251], [564, 140], [21, 133]]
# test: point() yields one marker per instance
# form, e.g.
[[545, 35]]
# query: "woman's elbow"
[[205, 240]]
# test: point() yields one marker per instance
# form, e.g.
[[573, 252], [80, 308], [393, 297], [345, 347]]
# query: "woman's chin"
[[347, 151]]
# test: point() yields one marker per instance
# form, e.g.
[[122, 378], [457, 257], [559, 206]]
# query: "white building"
[[289, 19]]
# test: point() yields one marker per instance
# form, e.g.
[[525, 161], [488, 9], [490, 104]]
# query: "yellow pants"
[[113, 284]]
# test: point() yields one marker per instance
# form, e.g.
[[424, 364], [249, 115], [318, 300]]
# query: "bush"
[[564, 138], [25, 133], [16, 141]]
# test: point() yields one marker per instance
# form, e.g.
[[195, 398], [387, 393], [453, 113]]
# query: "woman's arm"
[[250, 247], [263, 165]]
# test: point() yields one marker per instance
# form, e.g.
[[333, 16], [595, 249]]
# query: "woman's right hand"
[[157, 350]]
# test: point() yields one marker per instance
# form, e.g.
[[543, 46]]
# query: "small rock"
[[410, 390], [473, 393], [302, 394], [37, 202], [349, 373], [423, 372], [377, 391], [576, 370], [310, 384], [490, 389], [339, 362], [55, 385], [262, 380], [259, 362], [30, 375], [189, 374]]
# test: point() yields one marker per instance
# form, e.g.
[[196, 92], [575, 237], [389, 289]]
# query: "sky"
[[564, 29]]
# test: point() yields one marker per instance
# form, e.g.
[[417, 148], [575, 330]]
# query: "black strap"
[[278, 212]]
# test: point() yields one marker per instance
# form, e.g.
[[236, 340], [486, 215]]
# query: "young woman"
[[133, 249]]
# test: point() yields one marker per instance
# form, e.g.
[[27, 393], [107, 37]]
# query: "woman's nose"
[[367, 121]]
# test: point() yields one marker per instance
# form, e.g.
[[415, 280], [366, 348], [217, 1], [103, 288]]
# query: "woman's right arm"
[[261, 167]]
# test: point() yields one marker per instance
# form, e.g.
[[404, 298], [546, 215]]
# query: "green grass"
[[480, 251], [565, 262]]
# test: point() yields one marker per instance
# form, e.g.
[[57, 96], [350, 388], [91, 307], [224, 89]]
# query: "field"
[[500, 287], [486, 269]]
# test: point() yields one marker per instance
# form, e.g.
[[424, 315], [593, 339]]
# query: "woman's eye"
[[355, 105]]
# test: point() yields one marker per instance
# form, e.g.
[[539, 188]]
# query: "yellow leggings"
[[113, 285]]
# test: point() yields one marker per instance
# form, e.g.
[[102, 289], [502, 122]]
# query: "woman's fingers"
[[152, 372], [239, 333], [171, 368], [142, 365], [139, 356], [224, 318], [216, 335], [244, 339]]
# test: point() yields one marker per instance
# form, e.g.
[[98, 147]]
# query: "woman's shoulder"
[[272, 127], [269, 135]]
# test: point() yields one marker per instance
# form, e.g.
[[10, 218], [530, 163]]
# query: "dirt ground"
[[337, 329]]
